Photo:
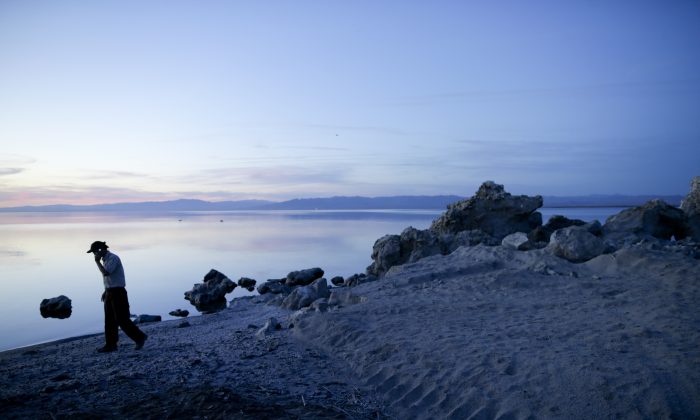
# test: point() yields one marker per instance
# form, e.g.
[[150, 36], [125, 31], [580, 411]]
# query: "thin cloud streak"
[[273, 176], [10, 171], [554, 90], [109, 175], [14, 159]]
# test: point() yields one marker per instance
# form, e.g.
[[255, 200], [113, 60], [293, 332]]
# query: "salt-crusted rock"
[[210, 295], [270, 326], [493, 211], [274, 286], [655, 218], [303, 277], [57, 307], [518, 241], [691, 207], [576, 244], [142, 319], [247, 283], [179, 312], [303, 296]]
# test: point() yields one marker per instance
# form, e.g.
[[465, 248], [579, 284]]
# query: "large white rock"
[[575, 244]]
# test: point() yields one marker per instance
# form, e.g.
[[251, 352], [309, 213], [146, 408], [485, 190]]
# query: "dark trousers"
[[117, 315]]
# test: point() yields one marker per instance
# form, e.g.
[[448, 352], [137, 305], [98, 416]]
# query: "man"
[[115, 299]]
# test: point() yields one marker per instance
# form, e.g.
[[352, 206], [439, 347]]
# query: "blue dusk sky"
[[114, 101]]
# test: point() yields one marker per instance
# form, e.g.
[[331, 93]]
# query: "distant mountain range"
[[438, 202]]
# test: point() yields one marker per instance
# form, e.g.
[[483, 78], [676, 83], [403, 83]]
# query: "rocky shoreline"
[[487, 314]]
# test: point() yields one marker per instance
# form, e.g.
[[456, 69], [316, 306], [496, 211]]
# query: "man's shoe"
[[106, 349], [141, 342]]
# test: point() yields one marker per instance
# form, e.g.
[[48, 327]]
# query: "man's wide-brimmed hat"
[[97, 246]]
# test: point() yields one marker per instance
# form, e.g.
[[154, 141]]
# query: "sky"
[[119, 101]]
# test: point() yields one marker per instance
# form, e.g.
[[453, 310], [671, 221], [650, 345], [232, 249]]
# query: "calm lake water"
[[43, 255]]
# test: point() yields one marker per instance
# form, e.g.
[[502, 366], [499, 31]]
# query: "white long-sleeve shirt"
[[113, 265]]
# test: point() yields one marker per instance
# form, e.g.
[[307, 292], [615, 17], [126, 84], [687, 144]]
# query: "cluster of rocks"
[[59, 307], [495, 217], [486, 218], [210, 296], [308, 290]]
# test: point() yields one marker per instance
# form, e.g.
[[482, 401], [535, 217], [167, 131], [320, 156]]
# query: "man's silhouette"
[[115, 299]]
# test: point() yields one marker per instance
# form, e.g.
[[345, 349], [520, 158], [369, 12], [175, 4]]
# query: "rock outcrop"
[[654, 218], [487, 218], [493, 211], [209, 296], [57, 307], [691, 207]]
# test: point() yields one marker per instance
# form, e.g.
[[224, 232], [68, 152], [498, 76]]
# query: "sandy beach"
[[214, 368], [598, 322], [492, 333]]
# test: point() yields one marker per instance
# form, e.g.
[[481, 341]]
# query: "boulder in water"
[[57, 307], [209, 296]]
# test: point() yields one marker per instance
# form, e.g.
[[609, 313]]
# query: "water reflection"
[[43, 256]]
